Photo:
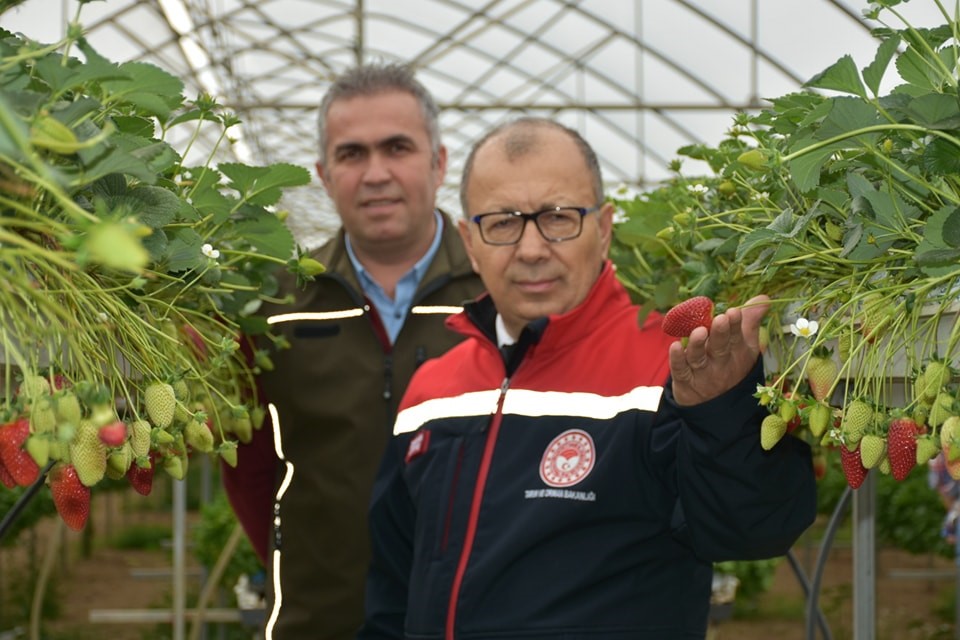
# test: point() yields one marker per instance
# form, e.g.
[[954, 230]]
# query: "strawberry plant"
[[130, 267], [842, 202]]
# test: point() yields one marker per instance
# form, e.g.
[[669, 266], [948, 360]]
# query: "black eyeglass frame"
[[583, 211]]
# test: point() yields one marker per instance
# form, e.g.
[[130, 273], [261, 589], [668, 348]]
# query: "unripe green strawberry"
[[821, 375], [68, 408], [38, 446], [257, 415], [877, 313], [34, 386], [935, 376], [161, 437], [140, 437], [763, 338], [755, 159], [949, 432], [174, 467], [818, 418], [941, 409], [43, 418], [884, 466], [243, 428], [181, 390], [199, 436], [88, 454], [772, 429], [119, 461], [228, 451], [872, 448], [927, 448], [160, 402], [856, 419], [844, 345], [59, 451]]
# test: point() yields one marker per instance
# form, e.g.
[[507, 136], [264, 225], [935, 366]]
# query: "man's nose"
[[377, 169], [532, 245]]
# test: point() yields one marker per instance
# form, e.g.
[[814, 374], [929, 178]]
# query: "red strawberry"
[[17, 461], [682, 319], [902, 446], [141, 478], [853, 468], [5, 478], [70, 496], [113, 434]]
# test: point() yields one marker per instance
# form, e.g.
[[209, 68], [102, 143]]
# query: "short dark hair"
[[374, 78], [520, 138]]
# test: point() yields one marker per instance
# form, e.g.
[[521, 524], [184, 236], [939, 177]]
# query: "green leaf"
[[846, 116], [918, 69], [842, 76], [941, 157], [873, 73], [935, 111], [156, 243], [183, 252], [268, 234], [805, 168], [754, 239], [149, 87], [194, 114], [153, 206], [263, 185], [951, 228], [104, 159], [204, 195]]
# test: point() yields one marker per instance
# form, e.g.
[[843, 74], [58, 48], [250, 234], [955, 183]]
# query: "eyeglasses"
[[555, 224]]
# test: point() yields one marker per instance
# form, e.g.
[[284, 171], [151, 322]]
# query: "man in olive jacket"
[[394, 271]]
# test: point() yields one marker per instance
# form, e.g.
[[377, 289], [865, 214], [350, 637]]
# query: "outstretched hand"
[[714, 361]]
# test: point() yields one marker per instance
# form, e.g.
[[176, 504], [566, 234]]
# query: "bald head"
[[520, 138]]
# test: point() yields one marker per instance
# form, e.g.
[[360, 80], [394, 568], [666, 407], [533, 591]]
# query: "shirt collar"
[[417, 269]]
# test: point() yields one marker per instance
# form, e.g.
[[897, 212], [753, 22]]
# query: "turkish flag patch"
[[418, 446]]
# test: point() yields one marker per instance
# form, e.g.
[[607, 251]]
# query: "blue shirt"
[[393, 311]]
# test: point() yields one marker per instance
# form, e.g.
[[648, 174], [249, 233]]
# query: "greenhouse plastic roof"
[[639, 78]]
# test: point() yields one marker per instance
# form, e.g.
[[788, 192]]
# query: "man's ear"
[[321, 173], [441, 166], [463, 226], [605, 222]]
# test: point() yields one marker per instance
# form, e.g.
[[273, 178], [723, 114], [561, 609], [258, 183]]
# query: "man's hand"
[[714, 361]]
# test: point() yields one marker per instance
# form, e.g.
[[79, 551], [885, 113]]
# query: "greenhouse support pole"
[[179, 558], [864, 559]]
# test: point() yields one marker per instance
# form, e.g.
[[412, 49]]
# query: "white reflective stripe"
[[325, 315], [524, 402], [277, 598], [284, 485], [438, 309], [476, 403]]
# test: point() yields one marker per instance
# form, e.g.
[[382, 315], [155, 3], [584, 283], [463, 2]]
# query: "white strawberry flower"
[[804, 328], [210, 252]]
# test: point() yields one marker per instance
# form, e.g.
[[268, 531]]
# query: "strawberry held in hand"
[[682, 319]]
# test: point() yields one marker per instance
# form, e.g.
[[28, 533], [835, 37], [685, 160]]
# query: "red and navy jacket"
[[560, 491]]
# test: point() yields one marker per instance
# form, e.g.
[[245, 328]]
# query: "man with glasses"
[[565, 472]]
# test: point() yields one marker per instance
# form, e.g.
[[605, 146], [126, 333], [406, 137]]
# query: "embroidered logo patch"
[[568, 459], [417, 446]]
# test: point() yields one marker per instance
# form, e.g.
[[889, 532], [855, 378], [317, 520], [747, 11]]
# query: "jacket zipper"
[[475, 510]]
